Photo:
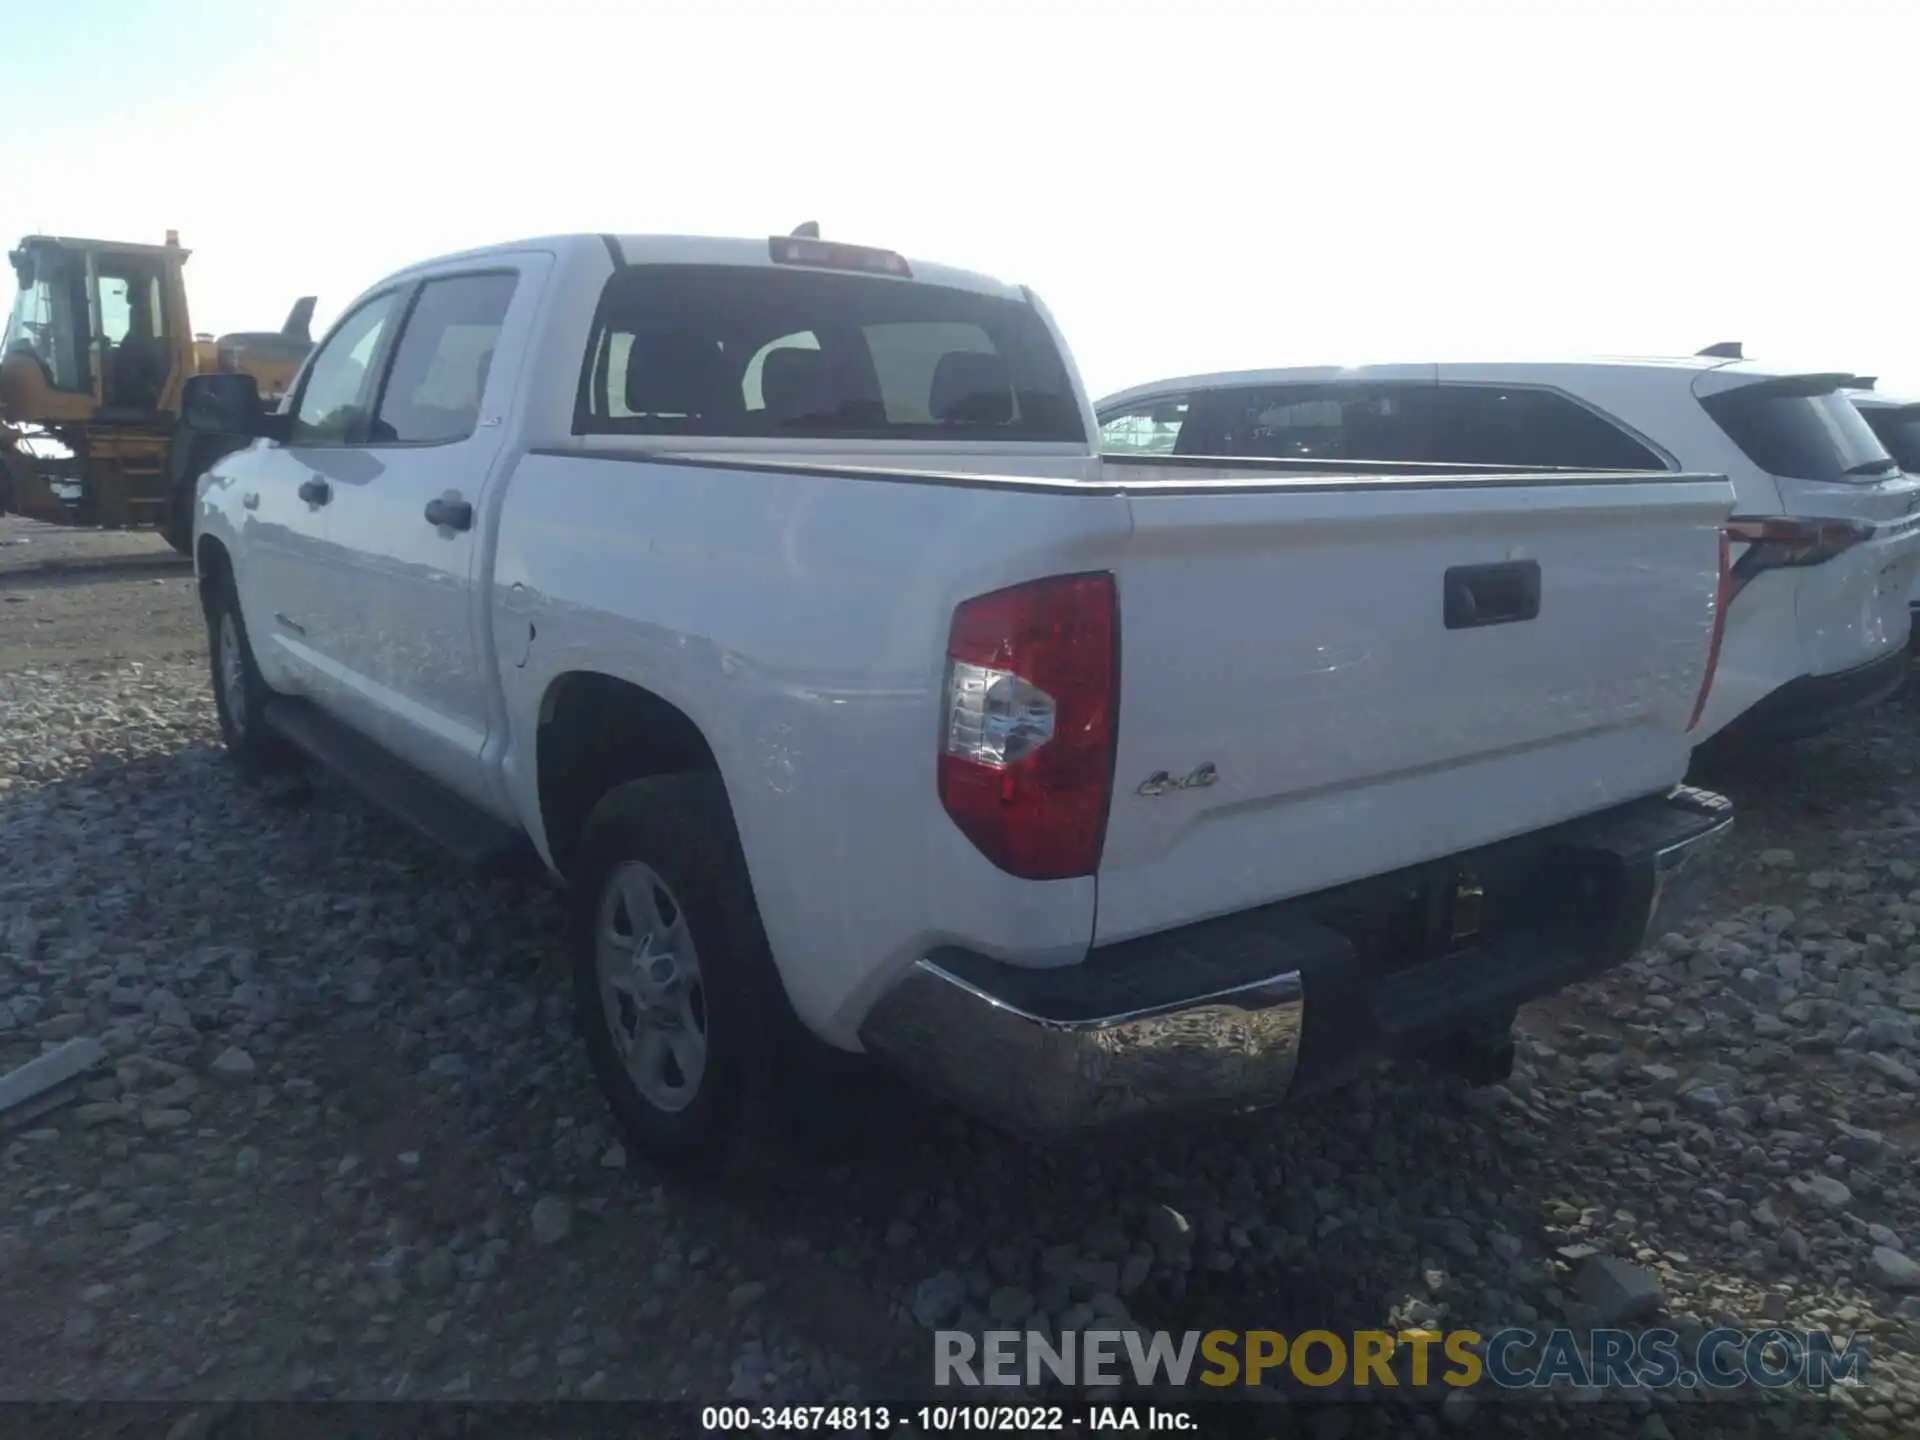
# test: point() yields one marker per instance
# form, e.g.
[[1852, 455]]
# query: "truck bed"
[[1284, 626]]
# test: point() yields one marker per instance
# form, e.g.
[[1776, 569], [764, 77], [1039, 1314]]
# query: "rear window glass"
[[1899, 431], [1803, 437], [742, 351]]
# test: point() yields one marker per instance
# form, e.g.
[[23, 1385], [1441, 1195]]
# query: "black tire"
[[240, 696], [680, 829]]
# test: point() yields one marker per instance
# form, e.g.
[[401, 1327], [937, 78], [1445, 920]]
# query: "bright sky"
[[1190, 186]]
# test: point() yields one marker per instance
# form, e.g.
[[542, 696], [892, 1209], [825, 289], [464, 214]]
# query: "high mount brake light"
[[1026, 757], [1723, 597], [831, 255], [1785, 542]]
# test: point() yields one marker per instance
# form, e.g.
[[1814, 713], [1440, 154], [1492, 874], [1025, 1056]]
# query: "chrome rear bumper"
[[1050, 1073], [1216, 1015]]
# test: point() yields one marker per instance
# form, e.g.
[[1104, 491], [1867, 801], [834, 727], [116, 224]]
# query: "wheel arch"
[[596, 731]]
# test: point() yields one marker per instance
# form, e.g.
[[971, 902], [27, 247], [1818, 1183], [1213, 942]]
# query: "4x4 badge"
[[1160, 781]]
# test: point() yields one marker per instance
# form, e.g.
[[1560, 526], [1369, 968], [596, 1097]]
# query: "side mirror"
[[226, 405]]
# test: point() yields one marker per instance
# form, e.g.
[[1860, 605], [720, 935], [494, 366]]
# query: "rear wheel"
[[683, 1014]]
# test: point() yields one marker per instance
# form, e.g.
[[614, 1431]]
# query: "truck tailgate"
[[1301, 704]]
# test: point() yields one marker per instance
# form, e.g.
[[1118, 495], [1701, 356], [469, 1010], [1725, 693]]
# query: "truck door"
[[408, 537], [288, 492]]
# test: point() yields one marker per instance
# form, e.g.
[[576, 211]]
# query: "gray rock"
[[1901, 1074], [551, 1220], [1829, 1192], [436, 1271], [233, 1065], [144, 1236], [1891, 1270], [1704, 1100], [1617, 1291], [938, 1299]]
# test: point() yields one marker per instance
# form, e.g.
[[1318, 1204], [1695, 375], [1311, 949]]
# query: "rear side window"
[[440, 368], [1800, 436], [1898, 430], [743, 351], [1516, 425], [1149, 429], [1310, 422]]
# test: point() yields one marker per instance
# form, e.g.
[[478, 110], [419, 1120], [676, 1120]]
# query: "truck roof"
[[706, 250]]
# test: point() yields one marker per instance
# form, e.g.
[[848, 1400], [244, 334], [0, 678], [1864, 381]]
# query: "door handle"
[[1476, 595], [315, 491], [450, 514]]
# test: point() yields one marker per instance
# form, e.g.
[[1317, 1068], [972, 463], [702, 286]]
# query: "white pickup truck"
[[772, 595]]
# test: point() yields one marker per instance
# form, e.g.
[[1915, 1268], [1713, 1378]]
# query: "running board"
[[471, 836]]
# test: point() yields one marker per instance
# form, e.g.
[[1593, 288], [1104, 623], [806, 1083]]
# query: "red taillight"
[[1026, 758], [1785, 542], [1722, 597]]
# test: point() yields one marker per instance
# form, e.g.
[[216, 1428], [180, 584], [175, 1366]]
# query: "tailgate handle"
[[1503, 594]]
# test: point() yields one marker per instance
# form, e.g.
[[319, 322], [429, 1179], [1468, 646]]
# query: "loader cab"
[[98, 331]]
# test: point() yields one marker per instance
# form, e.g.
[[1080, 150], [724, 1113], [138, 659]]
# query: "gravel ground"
[[346, 1145]]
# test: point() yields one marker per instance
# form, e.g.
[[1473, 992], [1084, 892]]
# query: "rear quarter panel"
[[801, 622]]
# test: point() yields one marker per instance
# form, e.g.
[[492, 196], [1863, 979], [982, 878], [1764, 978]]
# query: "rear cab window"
[[784, 352], [1802, 430]]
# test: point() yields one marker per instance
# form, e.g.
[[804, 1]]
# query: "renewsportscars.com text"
[[1511, 1359]]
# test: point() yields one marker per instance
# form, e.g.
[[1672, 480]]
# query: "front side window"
[[786, 352], [333, 398], [1788, 432], [440, 367], [1898, 428], [49, 321], [1150, 429], [1309, 422], [1517, 425]]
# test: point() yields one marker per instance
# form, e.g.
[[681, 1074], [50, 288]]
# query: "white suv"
[[1825, 538], [1897, 423]]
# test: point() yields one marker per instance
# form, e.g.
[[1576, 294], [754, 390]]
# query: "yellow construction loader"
[[92, 361]]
